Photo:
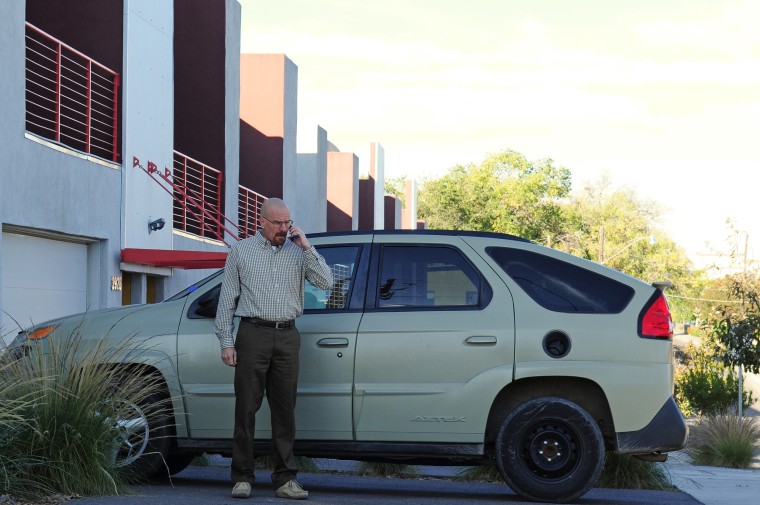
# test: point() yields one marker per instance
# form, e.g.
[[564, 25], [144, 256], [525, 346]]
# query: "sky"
[[663, 96]]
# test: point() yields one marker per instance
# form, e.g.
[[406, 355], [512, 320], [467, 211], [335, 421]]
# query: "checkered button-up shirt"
[[266, 282]]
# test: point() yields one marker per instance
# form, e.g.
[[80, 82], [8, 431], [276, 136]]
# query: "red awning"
[[174, 259]]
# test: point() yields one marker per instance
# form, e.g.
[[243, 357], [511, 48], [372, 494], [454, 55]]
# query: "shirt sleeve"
[[228, 299], [316, 269]]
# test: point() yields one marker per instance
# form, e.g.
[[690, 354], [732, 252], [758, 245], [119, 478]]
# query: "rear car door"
[[436, 343]]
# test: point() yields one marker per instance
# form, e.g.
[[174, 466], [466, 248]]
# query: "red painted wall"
[[199, 80], [367, 203]]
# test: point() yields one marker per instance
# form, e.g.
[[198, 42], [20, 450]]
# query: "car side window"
[[342, 261], [561, 286], [427, 277]]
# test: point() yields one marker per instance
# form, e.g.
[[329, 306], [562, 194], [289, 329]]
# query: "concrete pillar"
[[377, 172], [309, 207], [409, 212]]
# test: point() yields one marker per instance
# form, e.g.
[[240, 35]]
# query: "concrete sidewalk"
[[714, 485]]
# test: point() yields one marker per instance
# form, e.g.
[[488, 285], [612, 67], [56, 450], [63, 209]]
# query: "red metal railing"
[[197, 201], [189, 201], [196, 190], [197, 197], [249, 207], [70, 98]]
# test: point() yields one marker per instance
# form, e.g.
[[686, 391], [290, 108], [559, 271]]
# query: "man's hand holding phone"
[[296, 235]]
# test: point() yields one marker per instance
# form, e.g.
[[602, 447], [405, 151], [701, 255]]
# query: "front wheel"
[[142, 438], [550, 449]]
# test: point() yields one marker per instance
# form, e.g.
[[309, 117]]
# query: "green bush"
[[15, 467], [703, 385], [58, 421], [623, 471], [724, 440], [386, 469], [304, 464], [481, 473]]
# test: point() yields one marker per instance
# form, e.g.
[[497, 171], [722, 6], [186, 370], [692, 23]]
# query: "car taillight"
[[655, 321]]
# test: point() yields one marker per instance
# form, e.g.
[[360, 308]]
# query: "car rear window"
[[561, 286]]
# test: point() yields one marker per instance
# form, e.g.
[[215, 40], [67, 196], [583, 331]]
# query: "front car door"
[[328, 336]]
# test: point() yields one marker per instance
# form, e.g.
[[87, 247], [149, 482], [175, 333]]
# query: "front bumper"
[[666, 432]]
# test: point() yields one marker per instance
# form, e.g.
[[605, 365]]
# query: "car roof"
[[452, 233]]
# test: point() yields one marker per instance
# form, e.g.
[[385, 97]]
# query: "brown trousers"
[[267, 361]]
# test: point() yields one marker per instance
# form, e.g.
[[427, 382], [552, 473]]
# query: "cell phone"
[[292, 236]]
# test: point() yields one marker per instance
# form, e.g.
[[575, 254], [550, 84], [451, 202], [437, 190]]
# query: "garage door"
[[41, 279]]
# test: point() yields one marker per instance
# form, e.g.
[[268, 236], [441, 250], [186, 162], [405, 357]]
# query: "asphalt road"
[[211, 486]]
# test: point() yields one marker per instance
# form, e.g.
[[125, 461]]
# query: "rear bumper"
[[666, 432]]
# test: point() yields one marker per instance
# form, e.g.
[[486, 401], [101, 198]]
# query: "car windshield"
[[195, 286]]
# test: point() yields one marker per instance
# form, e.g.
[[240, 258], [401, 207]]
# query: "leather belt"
[[279, 325]]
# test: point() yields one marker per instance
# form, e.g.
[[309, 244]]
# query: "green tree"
[[396, 186], [735, 327], [703, 385], [616, 227], [505, 193]]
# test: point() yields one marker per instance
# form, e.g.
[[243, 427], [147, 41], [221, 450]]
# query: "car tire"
[[550, 449], [175, 463], [143, 438]]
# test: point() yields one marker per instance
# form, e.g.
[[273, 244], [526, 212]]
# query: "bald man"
[[264, 284]]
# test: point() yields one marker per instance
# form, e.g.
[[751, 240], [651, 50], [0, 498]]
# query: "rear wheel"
[[550, 449]]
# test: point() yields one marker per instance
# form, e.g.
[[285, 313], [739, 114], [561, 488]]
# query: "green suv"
[[431, 347]]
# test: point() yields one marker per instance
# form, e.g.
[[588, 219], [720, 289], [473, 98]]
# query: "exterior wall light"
[[156, 225]]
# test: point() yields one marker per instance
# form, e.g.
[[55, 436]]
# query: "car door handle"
[[333, 342], [481, 340]]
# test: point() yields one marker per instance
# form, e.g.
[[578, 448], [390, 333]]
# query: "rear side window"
[[560, 286], [425, 277]]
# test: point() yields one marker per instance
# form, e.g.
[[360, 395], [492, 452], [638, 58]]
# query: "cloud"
[[731, 35]]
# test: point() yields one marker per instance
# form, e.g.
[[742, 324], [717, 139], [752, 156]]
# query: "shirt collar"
[[261, 241]]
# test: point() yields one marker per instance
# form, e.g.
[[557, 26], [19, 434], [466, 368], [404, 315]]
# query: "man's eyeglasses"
[[280, 224]]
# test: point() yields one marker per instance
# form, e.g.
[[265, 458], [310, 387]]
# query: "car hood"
[[138, 321]]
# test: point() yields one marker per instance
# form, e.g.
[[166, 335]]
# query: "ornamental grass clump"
[[377, 469], [480, 473], [623, 471], [15, 466], [725, 440], [63, 412], [303, 463]]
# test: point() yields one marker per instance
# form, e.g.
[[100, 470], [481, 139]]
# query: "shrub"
[[623, 471], [694, 331], [60, 432], [304, 464], [201, 460], [703, 385], [15, 467], [482, 473], [386, 469], [724, 440]]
